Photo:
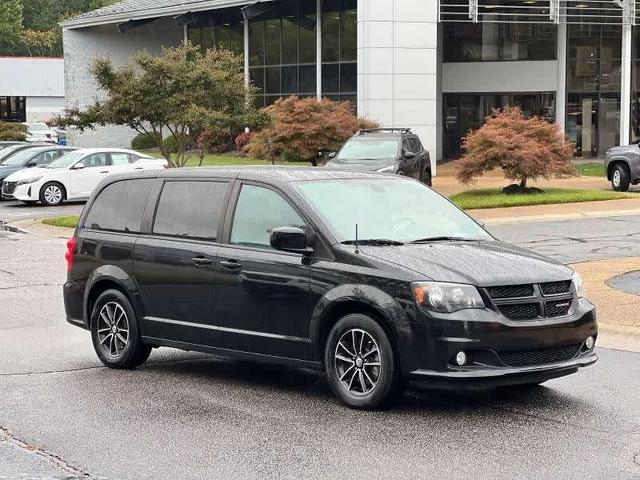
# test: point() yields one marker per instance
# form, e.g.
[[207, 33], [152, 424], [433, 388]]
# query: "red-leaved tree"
[[524, 148], [300, 128]]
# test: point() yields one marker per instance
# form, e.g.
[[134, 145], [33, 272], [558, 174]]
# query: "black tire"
[[52, 194], [620, 178], [382, 381], [426, 177], [114, 348]]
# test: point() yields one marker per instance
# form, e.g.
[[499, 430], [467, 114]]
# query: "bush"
[[525, 149], [215, 140], [13, 132], [243, 140], [143, 141], [171, 144], [300, 128]]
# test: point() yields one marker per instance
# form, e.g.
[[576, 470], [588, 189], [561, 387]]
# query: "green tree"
[[10, 25], [181, 92]]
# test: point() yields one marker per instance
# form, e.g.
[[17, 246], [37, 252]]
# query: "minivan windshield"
[[388, 209], [359, 150], [67, 160]]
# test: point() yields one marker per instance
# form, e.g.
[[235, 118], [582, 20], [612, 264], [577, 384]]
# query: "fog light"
[[591, 341], [461, 358]]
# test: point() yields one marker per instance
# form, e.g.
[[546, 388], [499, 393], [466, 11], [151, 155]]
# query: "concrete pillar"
[[625, 90], [561, 89], [319, 49], [398, 66], [246, 52]]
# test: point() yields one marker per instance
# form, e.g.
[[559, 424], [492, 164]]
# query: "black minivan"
[[375, 279]]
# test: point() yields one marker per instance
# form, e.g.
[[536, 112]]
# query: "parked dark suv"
[[376, 279], [385, 150]]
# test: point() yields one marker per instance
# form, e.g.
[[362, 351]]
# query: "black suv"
[[376, 279], [387, 150]]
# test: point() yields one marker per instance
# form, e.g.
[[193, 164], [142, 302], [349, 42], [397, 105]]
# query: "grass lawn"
[[494, 198], [591, 169], [66, 222]]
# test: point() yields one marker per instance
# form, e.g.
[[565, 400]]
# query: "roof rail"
[[372, 130]]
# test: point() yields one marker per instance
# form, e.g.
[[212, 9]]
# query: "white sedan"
[[75, 175]]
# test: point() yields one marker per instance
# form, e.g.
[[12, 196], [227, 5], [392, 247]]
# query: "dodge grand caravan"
[[375, 279]]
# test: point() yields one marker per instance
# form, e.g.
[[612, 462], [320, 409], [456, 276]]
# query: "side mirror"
[[30, 164], [78, 166], [409, 155], [292, 240], [332, 155]]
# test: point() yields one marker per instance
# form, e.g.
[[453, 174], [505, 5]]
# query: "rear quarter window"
[[119, 206]]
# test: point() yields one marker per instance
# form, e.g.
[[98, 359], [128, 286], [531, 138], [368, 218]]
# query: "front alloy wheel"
[[360, 363], [52, 194]]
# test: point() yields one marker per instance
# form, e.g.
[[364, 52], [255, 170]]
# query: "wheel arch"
[[65, 193], [107, 278], [617, 161], [366, 300]]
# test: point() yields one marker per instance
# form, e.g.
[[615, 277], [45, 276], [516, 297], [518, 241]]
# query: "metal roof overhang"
[[153, 13]]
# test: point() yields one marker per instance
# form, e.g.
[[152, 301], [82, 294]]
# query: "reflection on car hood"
[[621, 150], [6, 170], [363, 166], [487, 263], [23, 173]]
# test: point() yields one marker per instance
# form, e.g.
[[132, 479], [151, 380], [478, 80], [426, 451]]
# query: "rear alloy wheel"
[[620, 178], [52, 194], [360, 364], [114, 332]]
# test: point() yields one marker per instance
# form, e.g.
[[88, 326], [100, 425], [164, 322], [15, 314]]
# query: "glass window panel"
[[256, 74], [236, 38], [194, 34], [222, 36], [289, 39], [348, 35], [348, 77], [272, 80], [208, 36], [307, 39], [190, 209], [331, 36], [330, 78], [270, 99], [308, 79], [289, 80], [256, 43], [273, 42]]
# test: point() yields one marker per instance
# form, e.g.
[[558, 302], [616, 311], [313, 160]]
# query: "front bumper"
[[500, 351], [25, 192]]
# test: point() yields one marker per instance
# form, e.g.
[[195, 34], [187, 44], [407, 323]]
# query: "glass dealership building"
[[437, 66]]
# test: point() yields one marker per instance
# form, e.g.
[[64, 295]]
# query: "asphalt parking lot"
[[11, 211], [187, 415]]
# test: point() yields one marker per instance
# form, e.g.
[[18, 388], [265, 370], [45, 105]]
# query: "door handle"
[[104, 171], [232, 265], [202, 262]]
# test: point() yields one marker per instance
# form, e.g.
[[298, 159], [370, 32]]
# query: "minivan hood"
[[621, 150], [485, 264], [364, 166]]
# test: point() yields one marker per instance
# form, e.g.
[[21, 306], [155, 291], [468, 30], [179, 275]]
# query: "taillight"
[[72, 248]]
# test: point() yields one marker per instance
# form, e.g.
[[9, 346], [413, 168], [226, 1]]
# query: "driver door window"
[[258, 212], [95, 160]]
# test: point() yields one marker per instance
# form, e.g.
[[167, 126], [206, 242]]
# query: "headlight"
[[389, 169], [447, 297], [28, 180], [578, 284]]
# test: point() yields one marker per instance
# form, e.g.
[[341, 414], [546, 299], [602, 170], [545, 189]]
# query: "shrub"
[[243, 140], [525, 149], [13, 132], [171, 143], [215, 140], [143, 141], [300, 128]]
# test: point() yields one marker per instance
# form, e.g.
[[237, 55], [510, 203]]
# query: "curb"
[[548, 217]]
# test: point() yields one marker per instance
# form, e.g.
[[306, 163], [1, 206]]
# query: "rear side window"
[[415, 145], [190, 209], [119, 206], [119, 159]]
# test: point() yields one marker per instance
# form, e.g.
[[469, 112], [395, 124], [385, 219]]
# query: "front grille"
[[555, 288], [557, 308], [528, 358], [520, 311], [511, 291], [9, 187]]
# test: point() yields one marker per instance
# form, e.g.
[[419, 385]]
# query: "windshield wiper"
[[376, 242], [444, 239]]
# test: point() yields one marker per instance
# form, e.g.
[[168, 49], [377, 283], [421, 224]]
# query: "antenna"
[[357, 249]]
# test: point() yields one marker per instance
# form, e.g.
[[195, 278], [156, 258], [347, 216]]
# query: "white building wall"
[[41, 109], [398, 66], [83, 45], [31, 77]]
